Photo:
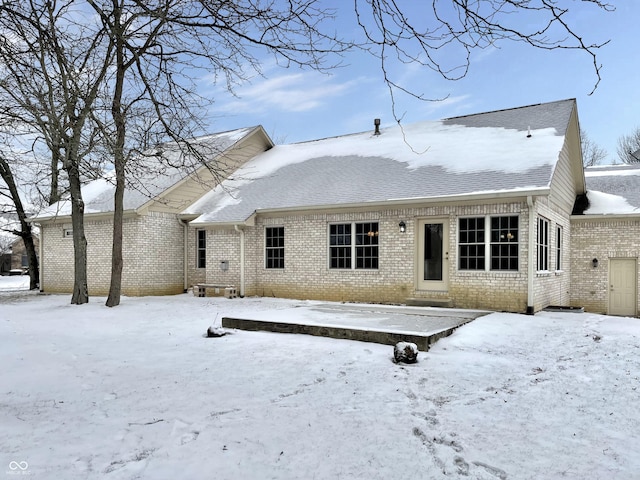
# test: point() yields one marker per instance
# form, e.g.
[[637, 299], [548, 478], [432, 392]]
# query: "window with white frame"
[[67, 233], [274, 247], [201, 248], [504, 243], [559, 246], [471, 244], [353, 245], [543, 244], [492, 237]]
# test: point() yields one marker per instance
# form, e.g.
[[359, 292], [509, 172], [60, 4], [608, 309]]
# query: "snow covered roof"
[[613, 189], [152, 178], [511, 151]]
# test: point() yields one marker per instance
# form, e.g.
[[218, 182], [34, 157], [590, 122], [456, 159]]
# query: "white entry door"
[[623, 292], [433, 254]]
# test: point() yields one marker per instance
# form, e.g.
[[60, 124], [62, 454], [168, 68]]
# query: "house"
[[19, 257], [606, 241], [491, 210], [167, 180], [13, 254], [470, 212]]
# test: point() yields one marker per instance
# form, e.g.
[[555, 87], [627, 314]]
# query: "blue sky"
[[296, 105]]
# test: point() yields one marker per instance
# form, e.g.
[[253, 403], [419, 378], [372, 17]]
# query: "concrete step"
[[429, 302]]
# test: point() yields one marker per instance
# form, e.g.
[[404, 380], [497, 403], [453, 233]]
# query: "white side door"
[[623, 291]]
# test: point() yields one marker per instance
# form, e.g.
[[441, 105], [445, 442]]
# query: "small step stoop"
[[429, 302]]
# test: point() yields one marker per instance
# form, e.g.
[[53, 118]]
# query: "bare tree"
[[58, 58], [592, 153], [441, 35], [154, 42], [629, 147]]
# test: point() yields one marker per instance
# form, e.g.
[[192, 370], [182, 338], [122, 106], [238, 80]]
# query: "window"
[[24, 261], [361, 246], [471, 244], [67, 233], [543, 244], [367, 245], [559, 247], [504, 243], [492, 237], [201, 248], [274, 247]]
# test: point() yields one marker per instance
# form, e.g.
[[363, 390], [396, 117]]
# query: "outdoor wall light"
[[403, 227], [594, 262], [224, 265]]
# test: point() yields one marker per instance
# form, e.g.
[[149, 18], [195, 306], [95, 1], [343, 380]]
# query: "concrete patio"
[[382, 324]]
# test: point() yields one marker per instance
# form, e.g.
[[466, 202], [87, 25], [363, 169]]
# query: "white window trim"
[[545, 246], [487, 243], [264, 248], [559, 247], [198, 249], [353, 246]]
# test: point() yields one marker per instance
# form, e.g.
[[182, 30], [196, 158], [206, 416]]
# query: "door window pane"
[[433, 251]]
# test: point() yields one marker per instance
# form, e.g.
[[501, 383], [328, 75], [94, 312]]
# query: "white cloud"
[[297, 92]]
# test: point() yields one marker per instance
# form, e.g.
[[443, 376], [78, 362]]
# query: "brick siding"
[[307, 276], [602, 239], [152, 255]]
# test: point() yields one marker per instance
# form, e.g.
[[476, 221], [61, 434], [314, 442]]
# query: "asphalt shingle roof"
[[473, 154], [622, 181], [152, 177]]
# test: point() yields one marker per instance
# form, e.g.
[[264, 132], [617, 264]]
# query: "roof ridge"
[[511, 108]]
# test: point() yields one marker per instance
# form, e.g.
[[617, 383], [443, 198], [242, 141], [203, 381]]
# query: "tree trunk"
[[115, 287], [34, 270], [119, 120], [80, 289], [25, 233], [54, 192]]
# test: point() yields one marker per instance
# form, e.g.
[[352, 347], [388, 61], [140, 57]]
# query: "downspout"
[[242, 279], [40, 258], [185, 254], [532, 258]]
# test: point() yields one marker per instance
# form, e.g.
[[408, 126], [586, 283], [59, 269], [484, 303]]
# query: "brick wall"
[[602, 239], [553, 287], [306, 274], [152, 256]]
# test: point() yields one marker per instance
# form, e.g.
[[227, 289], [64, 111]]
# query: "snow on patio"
[[137, 391]]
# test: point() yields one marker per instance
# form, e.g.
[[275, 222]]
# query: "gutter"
[[604, 216], [474, 198], [87, 217], [532, 258], [240, 229]]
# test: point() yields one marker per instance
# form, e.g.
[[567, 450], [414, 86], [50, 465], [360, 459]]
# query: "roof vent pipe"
[[529, 132], [376, 123]]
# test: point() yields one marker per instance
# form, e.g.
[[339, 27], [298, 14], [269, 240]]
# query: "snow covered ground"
[[137, 391]]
